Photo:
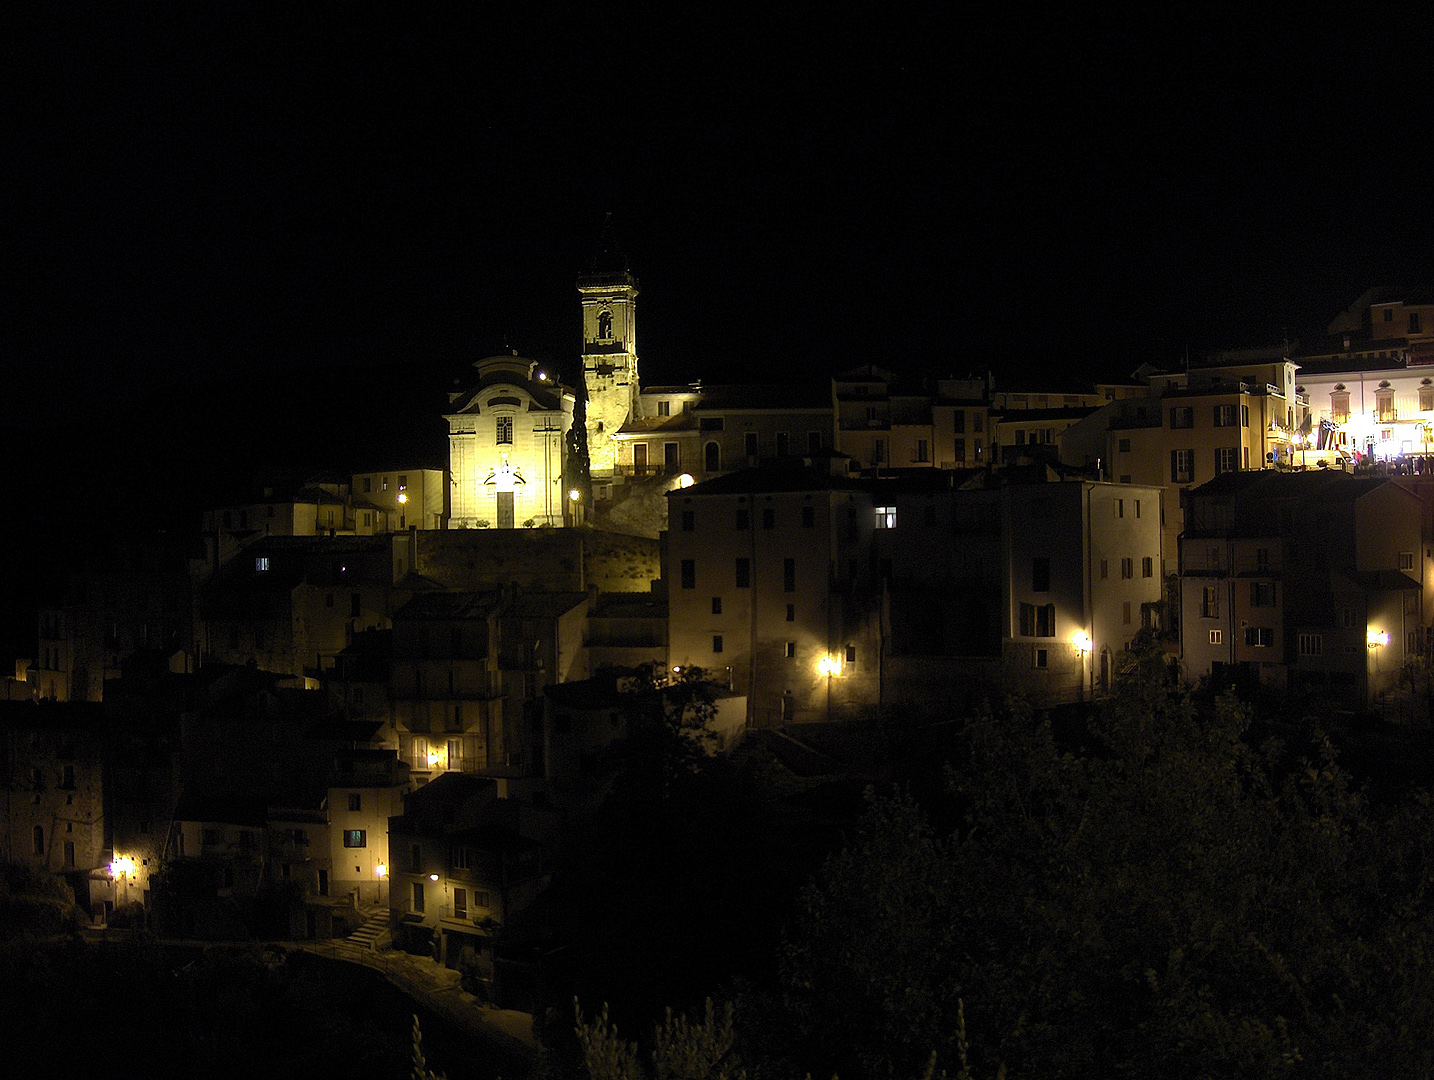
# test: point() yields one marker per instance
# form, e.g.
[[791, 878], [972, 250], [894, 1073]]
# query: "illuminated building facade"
[[828, 596], [507, 439], [1308, 578], [609, 312]]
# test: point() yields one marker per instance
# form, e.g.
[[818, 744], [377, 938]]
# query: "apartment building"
[[1308, 579]]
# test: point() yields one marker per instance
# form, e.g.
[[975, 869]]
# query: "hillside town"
[[372, 706]]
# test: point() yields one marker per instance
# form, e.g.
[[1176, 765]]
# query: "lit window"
[[664, 408], [261, 564], [505, 430], [886, 517], [1311, 644], [1216, 637], [355, 838], [1259, 636], [460, 902]]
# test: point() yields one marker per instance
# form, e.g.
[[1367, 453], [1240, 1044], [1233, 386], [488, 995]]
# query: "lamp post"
[[1083, 647], [829, 665]]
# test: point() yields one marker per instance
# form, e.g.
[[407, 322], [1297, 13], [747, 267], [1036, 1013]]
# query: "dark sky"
[[250, 236]]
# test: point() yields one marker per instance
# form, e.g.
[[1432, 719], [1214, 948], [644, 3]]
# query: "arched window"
[[605, 324], [712, 458]]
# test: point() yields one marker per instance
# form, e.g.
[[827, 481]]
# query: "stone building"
[[507, 440]]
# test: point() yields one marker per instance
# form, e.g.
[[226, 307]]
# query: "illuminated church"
[[508, 435], [506, 447]]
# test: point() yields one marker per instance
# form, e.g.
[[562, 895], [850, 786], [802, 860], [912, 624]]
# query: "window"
[[1210, 602], [886, 517], [809, 517], [706, 423], [1104, 569], [716, 643], [878, 451], [1339, 405], [791, 613], [1020, 436], [689, 521], [769, 518], [1217, 637], [958, 422], [403, 483], [744, 573], [505, 430], [1261, 637], [1120, 508], [1038, 621], [689, 573], [1041, 658], [1125, 612], [1414, 322], [1182, 416], [749, 442], [37, 840], [1123, 447], [716, 605], [1426, 398], [978, 423], [1224, 416], [851, 654], [1262, 559], [664, 408], [415, 859], [1227, 459], [789, 575], [791, 650], [782, 444], [355, 801], [67, 777], [744, 520], [355, 838], [712, 457], [1127, 569], [460, 895], [1311, 644], [1147, 567], [418, 896], [922, 453], [960, 448], [1041, 574], [1406, 560], [1262, 594], [1244, 416], [261, 564]]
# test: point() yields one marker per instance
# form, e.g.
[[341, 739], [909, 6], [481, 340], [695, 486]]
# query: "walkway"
[[508, 1031]]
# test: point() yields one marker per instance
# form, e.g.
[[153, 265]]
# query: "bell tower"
[[609, 302]]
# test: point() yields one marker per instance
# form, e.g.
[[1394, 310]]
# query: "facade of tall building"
[[609, 307]]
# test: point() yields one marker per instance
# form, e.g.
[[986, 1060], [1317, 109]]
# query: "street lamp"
[[829, 665], [1083, 647]]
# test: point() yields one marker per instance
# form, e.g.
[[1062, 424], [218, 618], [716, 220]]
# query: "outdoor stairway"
[[365, 936]]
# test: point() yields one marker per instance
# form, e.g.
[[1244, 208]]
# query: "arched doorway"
[[712, 458]]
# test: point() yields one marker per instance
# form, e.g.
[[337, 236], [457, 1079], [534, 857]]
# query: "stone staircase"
[[367, 935]]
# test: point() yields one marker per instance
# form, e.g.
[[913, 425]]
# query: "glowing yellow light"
[[685, 480], [574, 494], [1377, 637], [829, 665], [381, 870], [543, 375], [432, 758], [122, 864], [677, 670], [1081, 640], [432, 877], [403, 496]]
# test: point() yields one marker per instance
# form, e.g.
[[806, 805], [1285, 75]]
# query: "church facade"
[[506, 447]]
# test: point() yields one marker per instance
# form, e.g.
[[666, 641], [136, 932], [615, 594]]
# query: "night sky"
[[251, 237]]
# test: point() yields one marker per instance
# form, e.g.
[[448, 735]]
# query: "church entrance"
[[505, 509]]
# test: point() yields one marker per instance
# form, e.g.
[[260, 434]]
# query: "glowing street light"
[[381, 870], [1376, 638]]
